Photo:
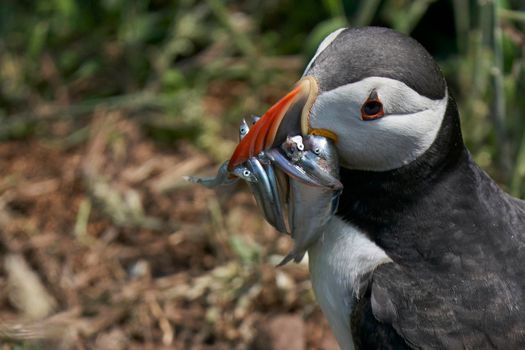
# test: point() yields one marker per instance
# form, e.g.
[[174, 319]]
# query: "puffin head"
[[376, 92]]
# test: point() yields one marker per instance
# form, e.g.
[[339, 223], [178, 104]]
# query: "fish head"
[[293, 147], [244, 173], [243, 129], [323, 151]]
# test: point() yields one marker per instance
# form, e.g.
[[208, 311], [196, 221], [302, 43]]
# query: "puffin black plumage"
[[456, 241], [425, 250]]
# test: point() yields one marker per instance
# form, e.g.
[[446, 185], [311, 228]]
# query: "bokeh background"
[[105, 105]]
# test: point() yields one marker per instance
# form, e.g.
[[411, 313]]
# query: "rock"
[[281, 332], [26, 290]]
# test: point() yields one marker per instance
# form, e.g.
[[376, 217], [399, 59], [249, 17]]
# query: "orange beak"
[[288, 117]]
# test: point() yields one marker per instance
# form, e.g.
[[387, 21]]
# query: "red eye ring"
[[372, 108]]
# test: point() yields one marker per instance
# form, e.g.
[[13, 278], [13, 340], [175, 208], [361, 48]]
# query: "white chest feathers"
[[338, 261]]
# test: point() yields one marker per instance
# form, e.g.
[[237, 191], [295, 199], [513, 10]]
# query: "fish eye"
[[300, 146], [246, 173], [317, 151]]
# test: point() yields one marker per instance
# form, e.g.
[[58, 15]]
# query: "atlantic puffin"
[[425, 250]]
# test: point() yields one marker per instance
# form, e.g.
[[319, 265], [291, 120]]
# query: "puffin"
[[425, 251]]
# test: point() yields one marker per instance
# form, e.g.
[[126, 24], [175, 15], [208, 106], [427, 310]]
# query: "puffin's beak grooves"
[[291, 112]]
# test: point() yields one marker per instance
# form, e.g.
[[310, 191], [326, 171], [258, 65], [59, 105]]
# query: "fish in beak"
[[291, 169], [266, 188], [310, 207]]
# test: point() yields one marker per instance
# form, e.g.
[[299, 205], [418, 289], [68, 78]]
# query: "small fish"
[[243, 129], [310, 207], [293, 147], [309, 160], [287, 159], [297, 157], [283, 189], [290, 168], [244, 173], [278, 203], [255, 119], [266, 191], [222, 178], [320, 161]]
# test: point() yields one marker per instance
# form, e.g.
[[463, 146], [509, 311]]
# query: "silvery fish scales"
[[310, 207]]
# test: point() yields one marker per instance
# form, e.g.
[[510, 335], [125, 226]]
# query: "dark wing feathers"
[[368, 333], [458, 280], [451, 311]]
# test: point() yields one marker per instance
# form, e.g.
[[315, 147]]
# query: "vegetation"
[[104, 105]]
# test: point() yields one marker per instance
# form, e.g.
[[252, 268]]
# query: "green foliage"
[[192, 68]]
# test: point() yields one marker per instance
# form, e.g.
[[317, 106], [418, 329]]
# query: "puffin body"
[[444, 265], [457, 243], [425, 250]]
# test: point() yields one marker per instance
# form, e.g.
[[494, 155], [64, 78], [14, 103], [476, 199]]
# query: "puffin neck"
[[375, 198]]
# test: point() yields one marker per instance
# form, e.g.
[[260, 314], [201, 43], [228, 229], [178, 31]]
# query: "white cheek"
[[386, 143]]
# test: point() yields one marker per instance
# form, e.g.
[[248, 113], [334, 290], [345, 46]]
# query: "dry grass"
[[105, 247]]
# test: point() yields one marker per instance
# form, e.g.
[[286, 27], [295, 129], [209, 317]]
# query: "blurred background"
[[105, 105]]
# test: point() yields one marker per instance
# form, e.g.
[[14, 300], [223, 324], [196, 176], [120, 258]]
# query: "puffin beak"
[[289, 116]]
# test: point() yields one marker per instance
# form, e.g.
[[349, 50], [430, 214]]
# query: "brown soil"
[[104, 246]]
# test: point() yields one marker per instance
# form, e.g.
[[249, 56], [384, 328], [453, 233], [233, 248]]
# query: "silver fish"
[[293, 170], [266, 191], [255, 119], [320, 161], [278, 201], [243, 129], [297, 158], [293, 147], [310, 207], [246, 174], [222, 178], [283, 189]]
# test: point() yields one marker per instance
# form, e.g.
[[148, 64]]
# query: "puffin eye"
[[317, 151], [246, 173], [372, 108], [300, 146]]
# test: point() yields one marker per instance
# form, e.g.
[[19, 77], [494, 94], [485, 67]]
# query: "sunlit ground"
[[105, 106]]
